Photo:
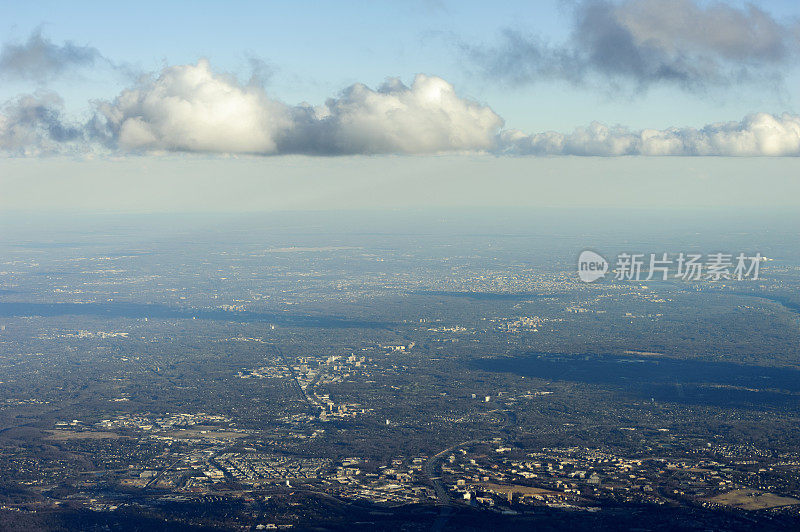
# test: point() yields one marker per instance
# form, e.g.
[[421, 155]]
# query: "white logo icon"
[[591, 266]]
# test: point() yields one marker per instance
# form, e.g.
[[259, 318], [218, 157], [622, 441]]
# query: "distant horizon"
[[194, 183], [380, 105]]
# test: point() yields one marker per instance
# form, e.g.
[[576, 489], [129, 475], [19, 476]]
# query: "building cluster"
[[397, 483], [158, 423], [259, 468], [585, 477]]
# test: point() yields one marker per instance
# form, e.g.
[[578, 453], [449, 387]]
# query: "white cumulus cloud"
[[191, 108], [427, 117]]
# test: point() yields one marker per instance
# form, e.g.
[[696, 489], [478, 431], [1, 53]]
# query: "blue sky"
[[506, 87], [319, 48]]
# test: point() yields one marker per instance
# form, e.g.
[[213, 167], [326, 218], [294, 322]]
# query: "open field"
[[753, 500], [65, 435]]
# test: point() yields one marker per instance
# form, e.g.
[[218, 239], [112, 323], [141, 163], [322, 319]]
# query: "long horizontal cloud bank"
[[189, 108], [759, 134]]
